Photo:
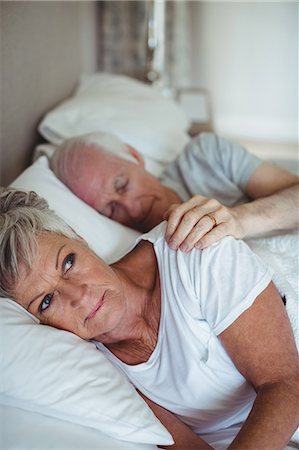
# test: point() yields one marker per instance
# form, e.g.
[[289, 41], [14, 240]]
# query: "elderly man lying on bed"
[[196, 333], [226, 190]]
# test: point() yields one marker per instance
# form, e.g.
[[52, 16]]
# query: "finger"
[[188, 233], [183, 218], [226, 226], [184, 227], [204, 226], [171, 208], [203, 215], [213, 236], [175, 213], [180, 216]]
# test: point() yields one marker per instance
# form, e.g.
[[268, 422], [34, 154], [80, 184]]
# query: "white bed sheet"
[[281, 253], [24, 430]]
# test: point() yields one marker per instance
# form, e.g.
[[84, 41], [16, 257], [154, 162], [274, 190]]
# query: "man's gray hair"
[[65, 156], [23, 217]]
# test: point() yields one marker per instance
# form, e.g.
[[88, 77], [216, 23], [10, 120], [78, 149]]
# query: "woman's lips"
[[95, 309]]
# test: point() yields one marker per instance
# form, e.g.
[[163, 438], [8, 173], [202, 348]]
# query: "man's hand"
[[200, 222]]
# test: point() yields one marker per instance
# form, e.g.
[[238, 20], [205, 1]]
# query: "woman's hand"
[[200, 222]]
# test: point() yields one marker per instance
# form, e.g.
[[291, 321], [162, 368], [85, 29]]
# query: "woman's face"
[[70, 288]]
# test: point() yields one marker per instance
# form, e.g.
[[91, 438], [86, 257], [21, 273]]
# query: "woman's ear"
[[136, 155]]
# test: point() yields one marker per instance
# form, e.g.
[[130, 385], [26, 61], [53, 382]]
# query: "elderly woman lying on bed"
[[196, 333]]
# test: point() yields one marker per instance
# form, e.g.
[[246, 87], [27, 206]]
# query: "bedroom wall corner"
[[246, 55], [45, 47]]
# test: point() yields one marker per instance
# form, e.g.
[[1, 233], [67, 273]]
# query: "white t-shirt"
[[189, 372]]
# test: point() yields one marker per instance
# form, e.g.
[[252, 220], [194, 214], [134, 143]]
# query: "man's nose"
[[132, 206]]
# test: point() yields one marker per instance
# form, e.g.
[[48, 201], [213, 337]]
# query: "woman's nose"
[[73, 292]]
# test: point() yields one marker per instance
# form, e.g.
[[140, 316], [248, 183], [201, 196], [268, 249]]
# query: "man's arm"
[[276, 201], [262, 347], [202, 221]]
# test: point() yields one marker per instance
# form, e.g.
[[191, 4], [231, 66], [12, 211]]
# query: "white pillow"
[[53, 371], [25, 430], [137, 113], [56, 373], [110, 240]]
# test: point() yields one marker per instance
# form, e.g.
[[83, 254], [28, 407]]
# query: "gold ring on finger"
[[212, 219]]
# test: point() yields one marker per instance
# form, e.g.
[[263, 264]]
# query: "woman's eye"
[[45, 303], [68, 262]]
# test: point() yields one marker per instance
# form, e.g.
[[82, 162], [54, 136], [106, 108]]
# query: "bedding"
[[28, 430], [281, 253], [110, 240], [83, 388], [58, 374], [85, 220], [135, 112]]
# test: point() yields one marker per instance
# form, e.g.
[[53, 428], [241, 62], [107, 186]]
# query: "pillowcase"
[[109, 239], [55, 372], [26, 430], [135, 112]]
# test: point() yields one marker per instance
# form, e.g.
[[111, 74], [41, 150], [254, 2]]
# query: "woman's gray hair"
[[23, 217]]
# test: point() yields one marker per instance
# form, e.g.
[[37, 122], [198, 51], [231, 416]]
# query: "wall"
[[45, 46], [246, 55]]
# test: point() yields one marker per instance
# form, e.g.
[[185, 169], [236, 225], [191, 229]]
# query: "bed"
[[56, 390], [63, 381]]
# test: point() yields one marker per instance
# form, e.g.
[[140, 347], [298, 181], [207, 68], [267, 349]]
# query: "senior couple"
[[194, 330]]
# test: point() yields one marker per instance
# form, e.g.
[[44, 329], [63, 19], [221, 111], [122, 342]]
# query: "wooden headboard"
[[45, 47]]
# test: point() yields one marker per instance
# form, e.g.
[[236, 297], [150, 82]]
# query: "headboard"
[[45, 46]]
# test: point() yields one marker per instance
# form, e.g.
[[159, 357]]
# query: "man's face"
[[70, 288], [121, 190]]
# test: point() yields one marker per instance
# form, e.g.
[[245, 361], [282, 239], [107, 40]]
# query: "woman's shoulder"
[[155, 235]]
